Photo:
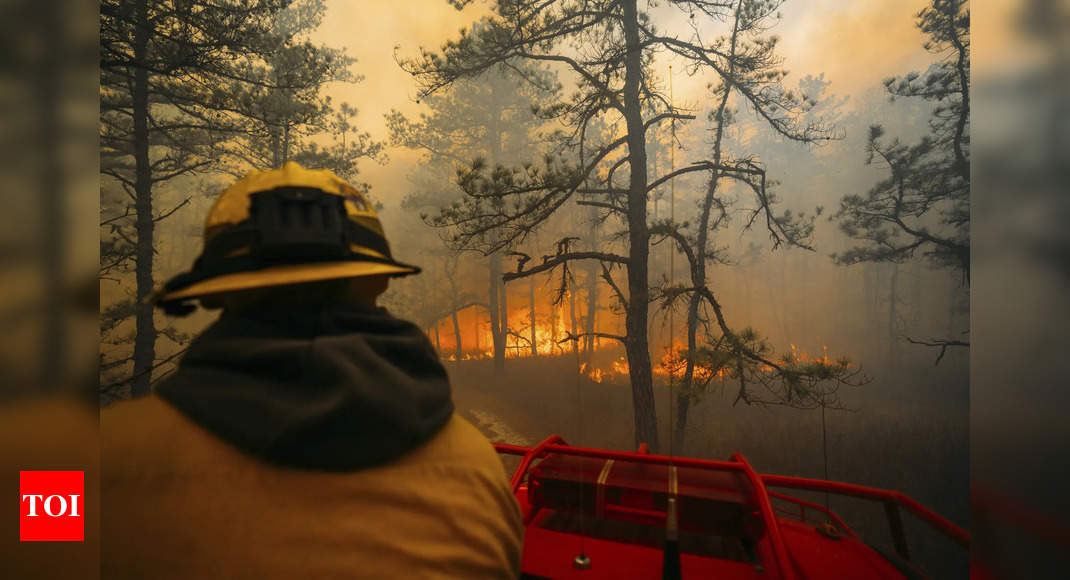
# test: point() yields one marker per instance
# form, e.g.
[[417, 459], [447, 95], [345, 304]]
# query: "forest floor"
[[906, 430]]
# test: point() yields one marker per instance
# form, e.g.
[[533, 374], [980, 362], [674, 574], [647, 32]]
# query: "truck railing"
[[892, 500]]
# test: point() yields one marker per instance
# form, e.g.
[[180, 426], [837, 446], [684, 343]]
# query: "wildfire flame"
[[595, 374], [552, 329], [673, 365], [469, 356], [798, 356]]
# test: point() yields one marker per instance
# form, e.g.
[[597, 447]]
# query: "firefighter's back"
[[181, 503]]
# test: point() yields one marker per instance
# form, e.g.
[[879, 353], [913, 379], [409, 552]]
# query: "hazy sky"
[[855, 43]]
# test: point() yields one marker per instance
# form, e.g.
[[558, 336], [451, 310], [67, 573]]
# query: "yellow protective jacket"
[[224, 488]]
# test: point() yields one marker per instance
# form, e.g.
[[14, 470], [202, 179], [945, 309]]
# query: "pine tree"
[[607, 49], [923, 204], [491, 117], [184, 87]]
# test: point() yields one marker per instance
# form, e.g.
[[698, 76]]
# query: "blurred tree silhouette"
[[282, 106], [188, 88], [923, 205], [163, 66], [494, 116]]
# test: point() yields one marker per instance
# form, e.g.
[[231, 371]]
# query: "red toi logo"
[[52, 505]]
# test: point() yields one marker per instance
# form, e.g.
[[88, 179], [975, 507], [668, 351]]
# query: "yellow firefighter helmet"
[[285, 226]]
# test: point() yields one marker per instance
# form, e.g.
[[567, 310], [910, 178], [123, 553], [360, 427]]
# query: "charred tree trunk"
[[531, 303], [636, 342], [554, 310], [590, 321], [276, 147], [286, 143], [475, 329], [572, 320], [499, 323], [503, 302], [698, 270], [458, 348], [497, 332], [145, 338]]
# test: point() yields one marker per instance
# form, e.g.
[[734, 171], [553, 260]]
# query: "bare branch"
[[168, 213], [608, 277], [943, 344], [575, 337], [551, 262]]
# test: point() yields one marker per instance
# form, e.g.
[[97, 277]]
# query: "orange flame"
[[595, 374], [673, 366], [799, 356], [551, 330]]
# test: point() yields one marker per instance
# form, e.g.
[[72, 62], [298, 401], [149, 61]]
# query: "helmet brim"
[[284, 275]]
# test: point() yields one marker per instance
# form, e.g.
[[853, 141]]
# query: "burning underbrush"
[[743, 361], [609, 364]]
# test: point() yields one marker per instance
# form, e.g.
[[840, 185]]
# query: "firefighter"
[[306, 433]]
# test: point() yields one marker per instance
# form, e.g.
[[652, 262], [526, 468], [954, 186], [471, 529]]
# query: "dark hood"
[[340, 388]]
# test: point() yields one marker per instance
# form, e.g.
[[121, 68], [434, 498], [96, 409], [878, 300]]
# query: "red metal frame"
[[948, 528], [780, 552], [529, 455], [890, 498], [554, 447], [811, 505]]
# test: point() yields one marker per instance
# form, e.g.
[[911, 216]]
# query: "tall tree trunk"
[[503, 302], [458, 349], [531, 303], [286, 143], [698, 271], [554, 311], [475, 330], [499, 322], [145, 338], [591, 320], [572, 319], [496, 327], [276, 148], [636, 343]]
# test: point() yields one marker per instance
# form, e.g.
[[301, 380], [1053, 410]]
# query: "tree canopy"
[[923, 204]]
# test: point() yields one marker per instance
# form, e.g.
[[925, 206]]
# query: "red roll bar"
[[891, 499], [780, 552], [948, 528]]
